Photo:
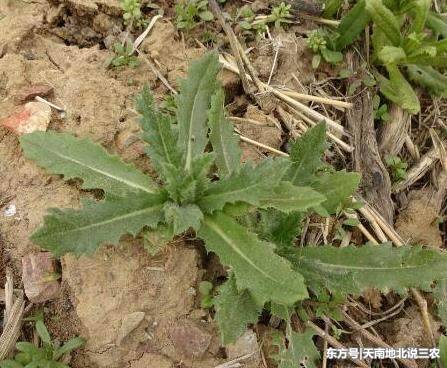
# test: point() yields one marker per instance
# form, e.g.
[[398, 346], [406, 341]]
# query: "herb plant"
[[132, 15], [47, 355], [397, 166], [408, 43], [317, 42], [123, 56], [280, 14], [248, 20], [190, 13], [248, 215]]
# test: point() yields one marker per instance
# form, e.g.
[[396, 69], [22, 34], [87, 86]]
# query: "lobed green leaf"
[[385, 20], [300, 350], [351, 270], [64, 154], [182, 217], [335, 187], [306, 154], [248, 185], [437, 23], [257, 268], [224, 141], [193, 104], [234, 311], [287, 197], [428, 77], [352, 25], [158, 132], [398, 90], [82, 231]]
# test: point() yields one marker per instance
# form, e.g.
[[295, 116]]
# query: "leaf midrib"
[[190, 141], [105, 173], [225, 153], [165, 147], [215, 196], [222, 234], [361, 268], [114, 219]]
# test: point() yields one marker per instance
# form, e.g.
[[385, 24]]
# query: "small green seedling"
[[133, 17], [380, 110], [280, 14], [248, 20], [205, 289], [397, 166], [47, 354], [317, 42], [190, 13], [123, 56]]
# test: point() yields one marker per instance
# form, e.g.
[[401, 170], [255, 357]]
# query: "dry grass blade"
[[142, 36]]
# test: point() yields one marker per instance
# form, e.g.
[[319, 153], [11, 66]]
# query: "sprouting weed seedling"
[[123, 56], [190, 13], [205, 290], [245, 18], [47, 354], [249, 21], [248, 214], [280, 14], [380, 109], [169, 105], [317, 42], [132, 16], [397, 166]]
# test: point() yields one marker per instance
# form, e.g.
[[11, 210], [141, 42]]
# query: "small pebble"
[[10, 210], [31, 117]]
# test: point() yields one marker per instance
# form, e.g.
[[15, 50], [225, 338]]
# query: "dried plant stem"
[[14, 310], [41, 99], [245, 120], [346, 147], [418, 170], [372, 221], [235, 362], [142, 36], [360, 226], [379, 224], [233, 44], [412, 148], [374, 339], [156, 72], [422, 303], [261, 145], [333, 342], [289, 100], [328, 22], [323, 100]]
